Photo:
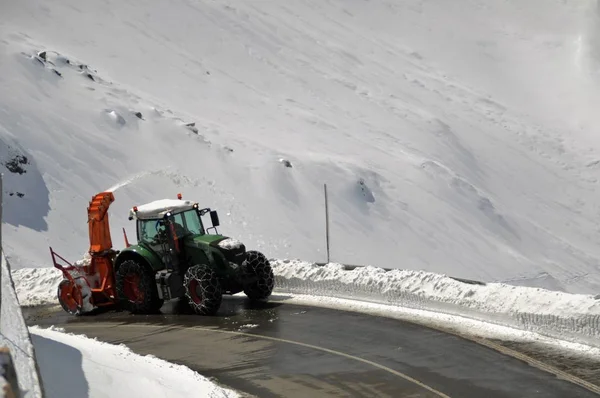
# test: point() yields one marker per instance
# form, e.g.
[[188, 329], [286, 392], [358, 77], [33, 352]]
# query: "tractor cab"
[[184, 217], [163, 225]]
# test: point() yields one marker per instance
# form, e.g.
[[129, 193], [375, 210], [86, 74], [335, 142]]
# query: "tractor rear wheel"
[[136, 288], [69, 297], [258, 276], [203, 289]]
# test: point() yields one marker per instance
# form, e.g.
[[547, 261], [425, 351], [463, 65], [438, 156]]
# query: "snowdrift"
[[565, 316], [15, 335], [571, 317]]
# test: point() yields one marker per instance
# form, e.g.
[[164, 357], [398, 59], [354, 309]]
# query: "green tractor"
[[176, 257]]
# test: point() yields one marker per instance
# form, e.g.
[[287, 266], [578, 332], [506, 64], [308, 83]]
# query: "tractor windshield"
[[185, 223], [190, 221]]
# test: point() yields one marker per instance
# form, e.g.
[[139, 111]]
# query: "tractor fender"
[[217, 256], [140, 254], [200, 257], [199, 252]]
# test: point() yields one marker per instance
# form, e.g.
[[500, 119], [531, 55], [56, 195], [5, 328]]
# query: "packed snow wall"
[[14, 333], [572, 317]]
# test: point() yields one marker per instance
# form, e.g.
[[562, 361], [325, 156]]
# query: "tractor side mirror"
[[214, 218]]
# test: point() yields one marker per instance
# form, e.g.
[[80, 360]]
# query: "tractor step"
[[169, 284]]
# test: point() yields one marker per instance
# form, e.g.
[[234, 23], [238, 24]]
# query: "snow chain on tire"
[[151, 302], [258, 270], [202, 289]]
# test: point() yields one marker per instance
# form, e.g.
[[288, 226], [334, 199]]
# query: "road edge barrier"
[[18, 354]]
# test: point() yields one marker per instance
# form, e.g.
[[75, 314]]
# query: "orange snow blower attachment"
[[89, 283], [98, 222]]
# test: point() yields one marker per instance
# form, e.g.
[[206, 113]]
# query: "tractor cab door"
[[175, 233], [157, 235]]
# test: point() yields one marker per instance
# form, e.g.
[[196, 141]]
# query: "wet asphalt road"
[[284, 350]]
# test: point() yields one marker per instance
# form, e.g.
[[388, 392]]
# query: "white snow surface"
[[230, 243], [37, 286], [90, 368], [158, 208], [455, 137], [249, 326], [492, 297]]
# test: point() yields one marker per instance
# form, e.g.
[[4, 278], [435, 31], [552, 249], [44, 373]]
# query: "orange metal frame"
[[65, 270]]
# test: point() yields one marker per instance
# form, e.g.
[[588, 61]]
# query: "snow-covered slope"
[[455, 137]]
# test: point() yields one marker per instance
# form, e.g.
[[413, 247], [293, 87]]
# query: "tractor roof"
[[159, 208]]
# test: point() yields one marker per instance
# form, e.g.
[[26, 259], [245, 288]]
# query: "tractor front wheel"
[[136, 288], [203, 289], [258, 276]]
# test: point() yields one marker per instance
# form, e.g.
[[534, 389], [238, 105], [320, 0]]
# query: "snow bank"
[[15, 336], [37, 286], [90, 368], [572, 317]]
